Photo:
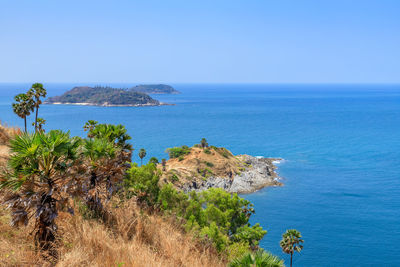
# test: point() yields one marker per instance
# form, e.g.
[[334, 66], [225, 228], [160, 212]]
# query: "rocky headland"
[[203, 168]]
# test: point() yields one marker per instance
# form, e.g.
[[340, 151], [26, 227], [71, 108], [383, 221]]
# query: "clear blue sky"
[[266, 41]]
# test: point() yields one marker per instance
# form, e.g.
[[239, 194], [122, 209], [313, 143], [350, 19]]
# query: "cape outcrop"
[[201, 168]]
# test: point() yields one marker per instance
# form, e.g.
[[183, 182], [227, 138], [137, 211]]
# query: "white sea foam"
[[278, 161]]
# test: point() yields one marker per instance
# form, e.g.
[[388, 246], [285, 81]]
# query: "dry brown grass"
[[7, 132], [134, 239]]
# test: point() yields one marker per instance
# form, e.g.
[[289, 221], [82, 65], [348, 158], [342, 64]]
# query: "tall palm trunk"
[[25, 123], [291, 258], [46, 234], [37, 110]]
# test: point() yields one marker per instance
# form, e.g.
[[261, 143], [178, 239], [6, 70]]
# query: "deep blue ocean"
[[341, 145]]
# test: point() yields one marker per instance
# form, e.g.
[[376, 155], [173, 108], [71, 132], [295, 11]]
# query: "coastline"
[[109, 105], [260, 173]]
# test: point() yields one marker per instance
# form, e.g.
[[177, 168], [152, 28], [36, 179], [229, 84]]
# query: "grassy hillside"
[[196, 164], [135, 238]]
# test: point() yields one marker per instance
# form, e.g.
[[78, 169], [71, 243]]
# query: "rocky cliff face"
[[259, 174], [203, 168]]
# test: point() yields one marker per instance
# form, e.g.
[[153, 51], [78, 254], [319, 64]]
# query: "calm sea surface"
[[341, 145]]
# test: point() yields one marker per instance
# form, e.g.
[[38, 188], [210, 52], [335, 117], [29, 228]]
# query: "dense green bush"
[[154, 160], [214, 214], [209, 164], [176, 152], [142, 182]]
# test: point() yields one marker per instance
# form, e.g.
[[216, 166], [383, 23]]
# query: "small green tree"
[[142, 154], [176, 152], [142, 182], [153, 160], [23, 107], [164, 164], [203, 143], [291, 242], [36, 92]]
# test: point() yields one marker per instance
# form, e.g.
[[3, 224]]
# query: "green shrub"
[[154, 160], [209, 164], [251, 235], [214, 214], [207, 151], [142, 182], [173, 200], [175, 152], [181, 158], [174, 178]]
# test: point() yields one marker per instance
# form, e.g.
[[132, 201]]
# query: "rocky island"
[[104, 96], [154, 89], [199, 168]]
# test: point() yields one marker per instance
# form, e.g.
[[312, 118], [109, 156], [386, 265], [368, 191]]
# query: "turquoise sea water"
[[340, 144]]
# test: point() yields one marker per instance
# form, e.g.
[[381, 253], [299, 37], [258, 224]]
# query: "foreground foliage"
[[259, 258], [51, 173]]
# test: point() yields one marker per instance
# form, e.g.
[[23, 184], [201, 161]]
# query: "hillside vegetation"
[[130, 240], [96, 222]]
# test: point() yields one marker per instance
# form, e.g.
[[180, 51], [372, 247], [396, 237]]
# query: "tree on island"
[[291, 242], [203, 143], [37, 91], [23, 107], [142, 154]]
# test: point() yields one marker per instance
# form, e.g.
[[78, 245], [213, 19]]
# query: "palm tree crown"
[[23, 107], [258, 259], [142, 154], [37, 91], [291, 242]]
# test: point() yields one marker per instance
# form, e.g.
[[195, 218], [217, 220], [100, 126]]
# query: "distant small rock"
[[154, 89]]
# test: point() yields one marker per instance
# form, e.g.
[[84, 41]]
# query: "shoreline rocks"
[[259, 173]]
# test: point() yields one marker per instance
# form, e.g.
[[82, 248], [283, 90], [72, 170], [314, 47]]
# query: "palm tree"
[[89, 126], [117, 134], [37, 91], [142, 154], [40, 123], [39, 181], [291, 242], [100, 155], [203, 143], [23, 107], [258, 259]]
